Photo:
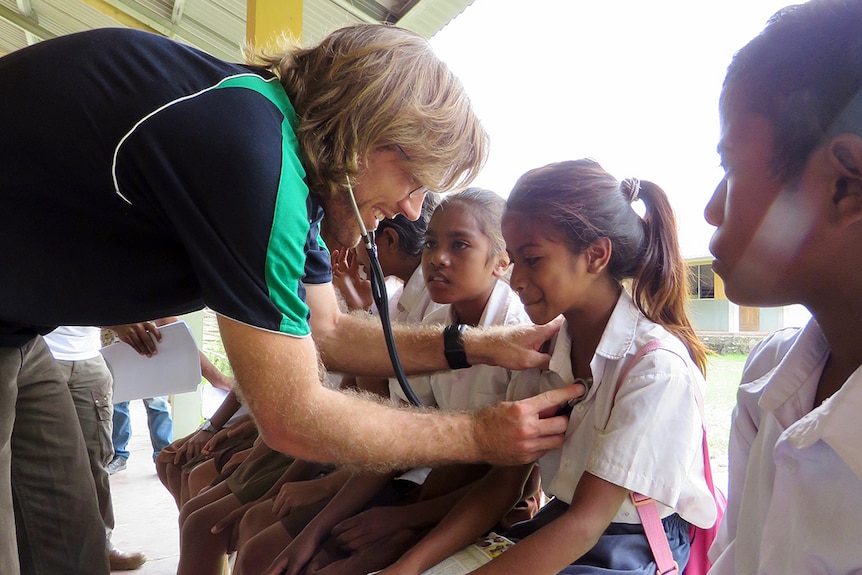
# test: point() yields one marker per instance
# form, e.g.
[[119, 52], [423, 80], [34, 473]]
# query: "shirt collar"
[[495, 310], [841, 426], [790, 396], [616, 341], [620, 332], [793, 383]]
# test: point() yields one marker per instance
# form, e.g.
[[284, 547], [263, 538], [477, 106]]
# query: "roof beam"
[[28, 25], [114, 12], [426, 18], [25, 8], [349, 7], [177, 13]]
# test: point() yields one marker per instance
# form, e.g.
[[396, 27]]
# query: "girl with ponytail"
[[576, 241]]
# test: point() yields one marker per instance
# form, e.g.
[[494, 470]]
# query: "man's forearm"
[[296, 414], [356, 345]]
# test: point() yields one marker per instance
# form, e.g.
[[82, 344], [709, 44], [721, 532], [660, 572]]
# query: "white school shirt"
[[648, 438], [795, 484], [480, 385]]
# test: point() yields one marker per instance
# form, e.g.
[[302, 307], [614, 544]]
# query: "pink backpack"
[[701, 539]]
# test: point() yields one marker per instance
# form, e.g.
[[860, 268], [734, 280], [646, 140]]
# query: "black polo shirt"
[[141, 178]]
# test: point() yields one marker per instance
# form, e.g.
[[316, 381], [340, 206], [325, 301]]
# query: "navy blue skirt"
[[622, 548]]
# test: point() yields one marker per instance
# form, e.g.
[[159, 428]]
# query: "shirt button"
[[580, 407]]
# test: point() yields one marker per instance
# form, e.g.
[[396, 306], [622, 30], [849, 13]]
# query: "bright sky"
[[631, 83]]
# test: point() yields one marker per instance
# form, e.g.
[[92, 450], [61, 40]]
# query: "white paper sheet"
[[176, 368]]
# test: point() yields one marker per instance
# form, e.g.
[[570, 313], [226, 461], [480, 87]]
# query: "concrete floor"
[[145, 513]]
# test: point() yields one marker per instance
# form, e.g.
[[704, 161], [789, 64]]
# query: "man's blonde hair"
[[369, 86]]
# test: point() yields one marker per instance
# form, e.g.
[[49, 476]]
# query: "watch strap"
[[207, 426], [453, 346]]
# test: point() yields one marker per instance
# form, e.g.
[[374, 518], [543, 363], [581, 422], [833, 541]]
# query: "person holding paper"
[[76, 350], [179, 180], [158, 411]]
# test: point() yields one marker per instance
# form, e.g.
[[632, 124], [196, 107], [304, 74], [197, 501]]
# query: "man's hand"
[[515, 433], [513, 347], [141, 336]]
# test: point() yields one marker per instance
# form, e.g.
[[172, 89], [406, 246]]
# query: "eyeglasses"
[[420, 189]]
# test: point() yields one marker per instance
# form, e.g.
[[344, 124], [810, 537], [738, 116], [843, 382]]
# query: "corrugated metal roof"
[[216, 26]]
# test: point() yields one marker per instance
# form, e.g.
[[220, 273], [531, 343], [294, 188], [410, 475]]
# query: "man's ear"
[[845, 170], [598, 255]]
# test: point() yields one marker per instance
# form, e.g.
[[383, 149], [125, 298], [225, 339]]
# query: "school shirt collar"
[[495, 310], [793, 382], [790, 398], [616, 341]]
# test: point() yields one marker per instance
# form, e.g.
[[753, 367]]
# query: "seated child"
[[464, 263], [574, 237], [788, 215], [267, 527]]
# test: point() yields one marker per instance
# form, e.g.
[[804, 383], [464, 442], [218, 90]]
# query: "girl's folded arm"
[[483, 506], [564, 540]]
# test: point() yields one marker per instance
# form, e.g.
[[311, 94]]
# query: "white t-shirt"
[[647, 437], [480, 385], [795, 484], [74, 343]]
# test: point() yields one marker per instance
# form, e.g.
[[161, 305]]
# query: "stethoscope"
[[381, 300]]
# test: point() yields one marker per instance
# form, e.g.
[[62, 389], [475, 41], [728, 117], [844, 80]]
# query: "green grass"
[[723, 373]]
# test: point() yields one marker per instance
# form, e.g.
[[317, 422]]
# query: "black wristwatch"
[[453, 346]]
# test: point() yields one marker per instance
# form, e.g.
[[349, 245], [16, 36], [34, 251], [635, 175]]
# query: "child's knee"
[[256, 519]]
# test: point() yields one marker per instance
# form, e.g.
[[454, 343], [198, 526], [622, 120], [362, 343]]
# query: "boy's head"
[[804, 74], [791, 146]]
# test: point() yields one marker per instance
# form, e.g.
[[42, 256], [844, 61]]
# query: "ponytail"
[[660, 284]]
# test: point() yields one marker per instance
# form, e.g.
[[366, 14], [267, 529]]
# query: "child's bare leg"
[[201, 476], [202, 551], [173, 481], [202, 500], [254, 521], [258, 552]]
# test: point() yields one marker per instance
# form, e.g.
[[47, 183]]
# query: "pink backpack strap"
[[646, 507]]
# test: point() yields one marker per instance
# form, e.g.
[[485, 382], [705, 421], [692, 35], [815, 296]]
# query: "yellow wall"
[[267, 20]]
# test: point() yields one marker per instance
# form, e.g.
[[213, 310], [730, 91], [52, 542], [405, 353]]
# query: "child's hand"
[[295, 494], [193, 446], [295, 556], [366, 528], [230, 522], [349, 278]]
